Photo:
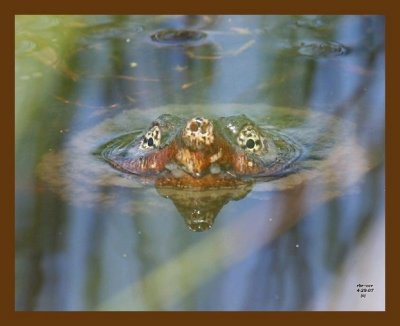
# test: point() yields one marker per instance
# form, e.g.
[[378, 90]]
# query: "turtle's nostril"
[[193, 126]]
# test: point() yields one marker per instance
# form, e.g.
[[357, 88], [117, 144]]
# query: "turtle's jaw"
[[208, 181]]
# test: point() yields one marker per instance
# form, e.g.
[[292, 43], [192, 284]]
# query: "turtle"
[[202, 161]]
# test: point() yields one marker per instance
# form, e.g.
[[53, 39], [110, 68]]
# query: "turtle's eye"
[[151, 139], [249, 139]]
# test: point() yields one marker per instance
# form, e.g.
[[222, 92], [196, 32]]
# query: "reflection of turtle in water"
[[203, 163], [199, 208]]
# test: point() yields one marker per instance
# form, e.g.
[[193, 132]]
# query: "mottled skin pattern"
[[203, 153]]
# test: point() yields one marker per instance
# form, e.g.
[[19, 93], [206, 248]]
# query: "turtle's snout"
[[198, 133]]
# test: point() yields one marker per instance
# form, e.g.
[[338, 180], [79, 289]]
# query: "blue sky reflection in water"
[[87, 242]]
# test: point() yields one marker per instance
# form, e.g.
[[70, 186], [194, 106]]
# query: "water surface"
[[85, 243]]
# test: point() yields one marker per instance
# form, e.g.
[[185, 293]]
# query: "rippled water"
[[91, 238]]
